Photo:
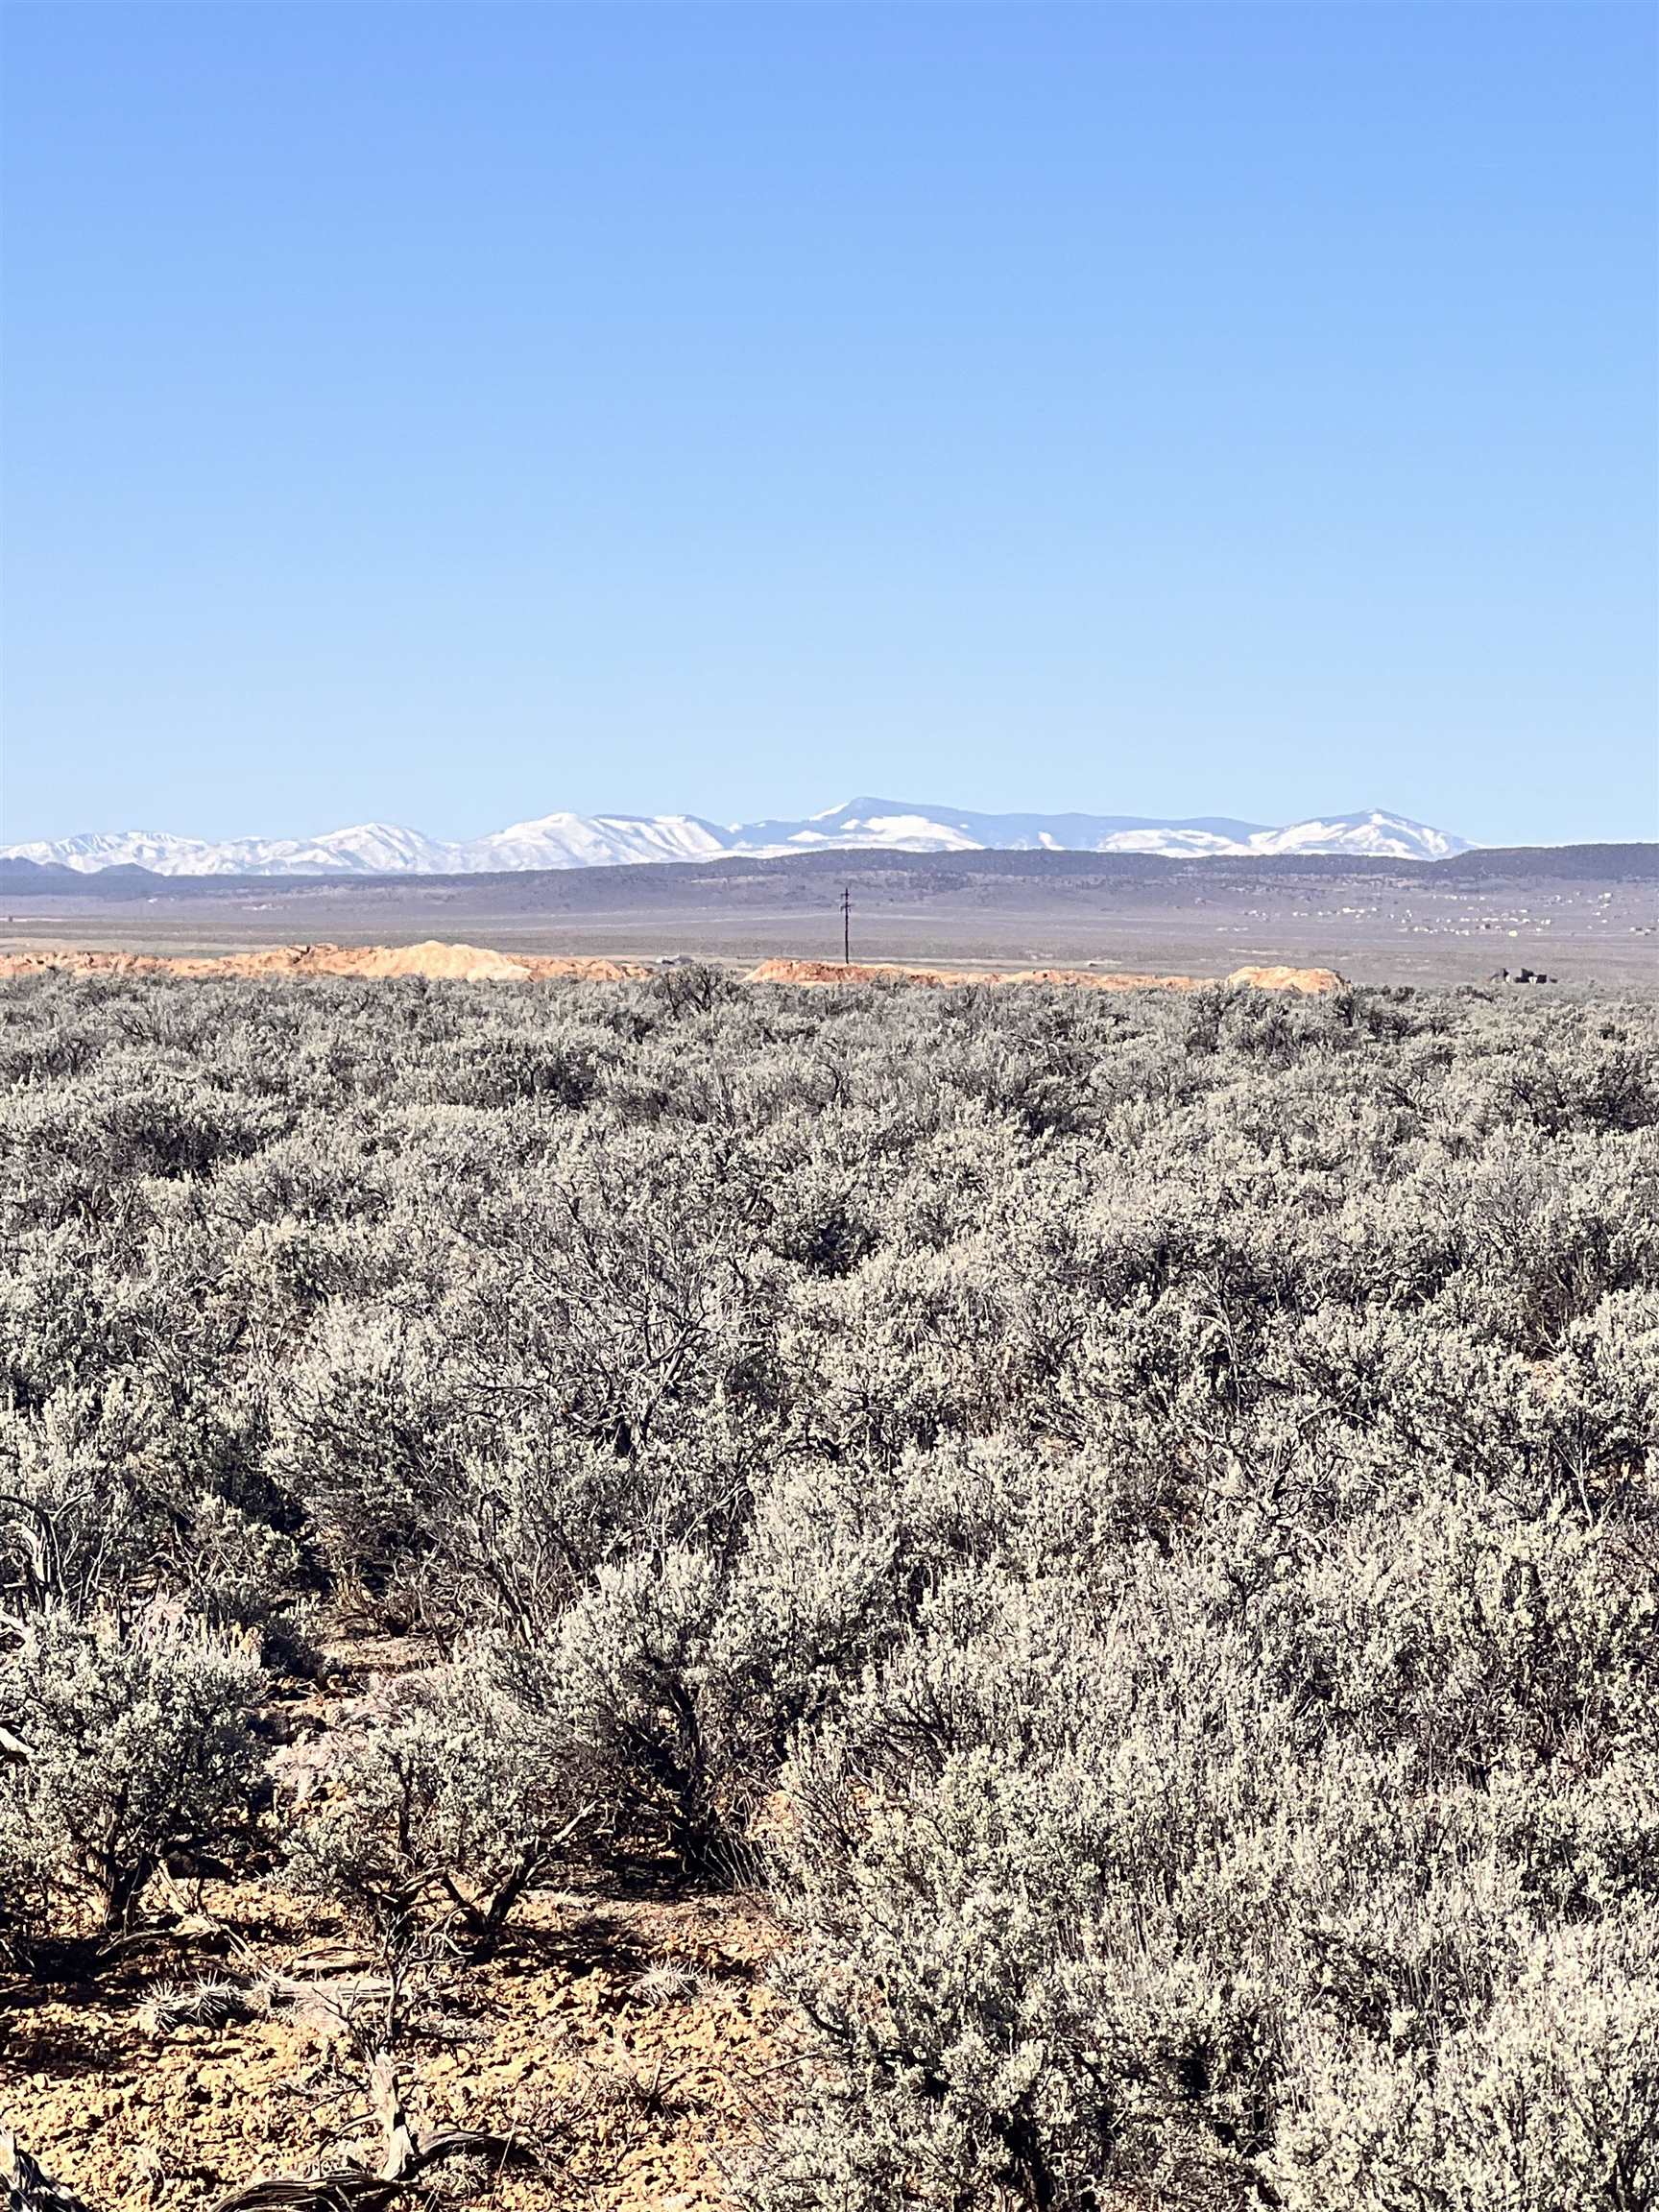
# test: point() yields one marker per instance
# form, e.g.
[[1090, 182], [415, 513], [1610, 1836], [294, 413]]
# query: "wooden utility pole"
[[847, 925]]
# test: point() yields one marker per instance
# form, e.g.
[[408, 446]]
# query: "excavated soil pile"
[[1309, 980], [857, 971], [443, 963], [479, 964], [1313, 982]]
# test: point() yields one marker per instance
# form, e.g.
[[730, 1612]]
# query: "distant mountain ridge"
[[563, 840]]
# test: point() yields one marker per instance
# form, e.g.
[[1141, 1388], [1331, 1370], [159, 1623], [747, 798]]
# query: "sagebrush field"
[[1115, 1535]]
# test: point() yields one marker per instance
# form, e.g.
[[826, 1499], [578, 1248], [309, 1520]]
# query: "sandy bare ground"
[[625, 2040], [629, 2046]]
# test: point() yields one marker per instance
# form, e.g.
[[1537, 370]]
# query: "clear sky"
[[446, 414]]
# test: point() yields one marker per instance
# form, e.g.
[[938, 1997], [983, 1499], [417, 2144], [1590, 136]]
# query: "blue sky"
[[446, 414]]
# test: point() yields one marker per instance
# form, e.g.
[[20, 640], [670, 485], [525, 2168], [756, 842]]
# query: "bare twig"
[[29, 2187], [408, 2154]]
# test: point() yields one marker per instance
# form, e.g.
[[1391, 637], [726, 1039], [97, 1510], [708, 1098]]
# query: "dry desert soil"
[[621, 2046]]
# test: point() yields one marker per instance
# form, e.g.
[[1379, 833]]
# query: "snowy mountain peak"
[[568, 840], [1375, 834]]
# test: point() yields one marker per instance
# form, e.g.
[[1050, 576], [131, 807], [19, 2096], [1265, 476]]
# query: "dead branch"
[[408, 2156], [29, 2187]]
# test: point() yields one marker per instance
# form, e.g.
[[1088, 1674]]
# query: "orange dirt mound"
[[816, 972], [457, 963], [588, 970], [1313, 982], [854, 971], [821, 972], [76, 963], [441, 962], [1102, 979], [479, 964]]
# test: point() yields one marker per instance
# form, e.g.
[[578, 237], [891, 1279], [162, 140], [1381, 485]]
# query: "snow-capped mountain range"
[[608, 840]]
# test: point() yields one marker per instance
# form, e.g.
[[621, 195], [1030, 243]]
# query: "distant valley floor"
[[1587, 915]]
